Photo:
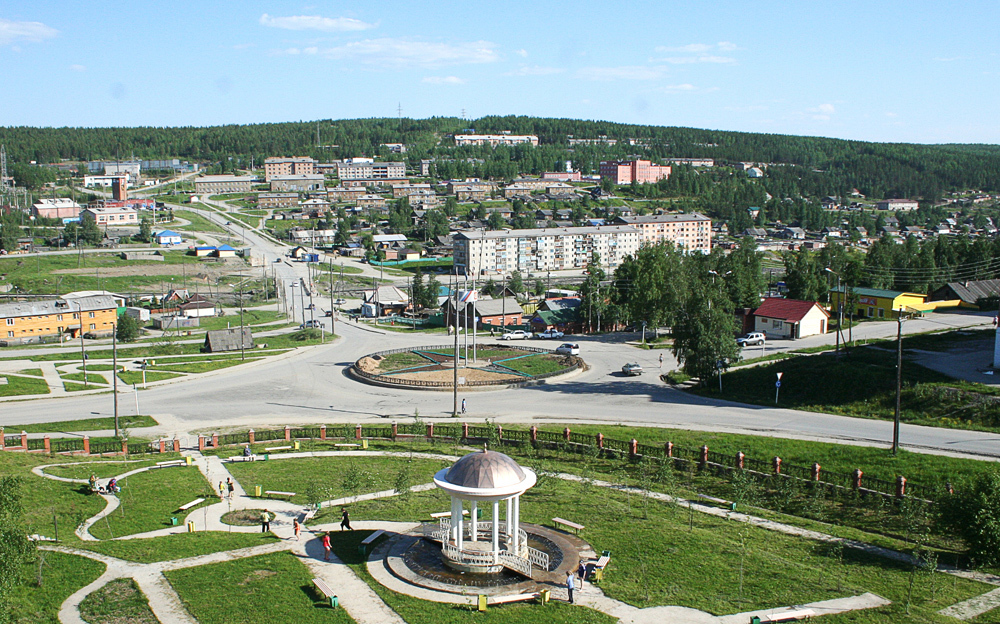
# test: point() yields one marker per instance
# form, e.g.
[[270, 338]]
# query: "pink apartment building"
[[628, 171]]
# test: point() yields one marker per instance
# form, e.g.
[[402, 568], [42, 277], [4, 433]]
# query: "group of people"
[[111, 488], [265, 525], [227, 489]]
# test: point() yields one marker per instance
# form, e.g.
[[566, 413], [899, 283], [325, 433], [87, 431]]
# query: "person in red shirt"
[[326, 546]]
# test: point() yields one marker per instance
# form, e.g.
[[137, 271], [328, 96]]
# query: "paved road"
[[312, 387]]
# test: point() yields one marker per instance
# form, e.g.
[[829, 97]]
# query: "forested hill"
[[876, 169]]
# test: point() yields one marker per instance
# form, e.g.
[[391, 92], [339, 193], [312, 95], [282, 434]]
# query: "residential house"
[[167, 237], [371, 202], [490, 312], [277, 200], [968, 292], [41, 321], [197, 306], [563, 314], [897, 204], [876, 302], [232, 339], [383, 301], [790, 318]]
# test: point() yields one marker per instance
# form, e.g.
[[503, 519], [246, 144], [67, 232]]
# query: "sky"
[[916, 71]]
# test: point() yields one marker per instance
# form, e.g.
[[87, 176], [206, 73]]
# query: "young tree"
[[451, 206], [430, 294], [145, 230], [516, 283], [703, 333], [128, 328], [496, 221], [539, 288], [15, 548], [90, 232], [418, 288]]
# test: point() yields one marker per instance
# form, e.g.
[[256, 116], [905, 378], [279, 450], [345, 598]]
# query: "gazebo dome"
[[485, 470]]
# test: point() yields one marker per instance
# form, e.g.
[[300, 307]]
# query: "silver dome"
[[485, 470]]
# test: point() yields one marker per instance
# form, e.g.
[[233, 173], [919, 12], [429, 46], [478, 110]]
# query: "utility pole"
[[333, 311], [243, 353], [83, 354], [899, 379], [114, 370], [454, 408]]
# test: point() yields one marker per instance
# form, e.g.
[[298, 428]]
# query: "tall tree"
[[703, 333], [593, 296]]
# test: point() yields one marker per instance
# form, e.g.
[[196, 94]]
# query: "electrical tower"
[[3, 169]]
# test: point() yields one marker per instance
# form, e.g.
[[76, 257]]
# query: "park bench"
[[363, 445], [243, 458], [325, 589], [499, 600], [369, 541], [273, 493], [597, 574], [166, 464], [786, 616], [307, 516], [562, 521], [278, 448], [191, 504], [447, 514]]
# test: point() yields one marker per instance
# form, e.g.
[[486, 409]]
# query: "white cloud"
[[443, 80], [823, 112], [726, 46], [78, 68], [314, 22], [399, 53], [626, 72], [691, 47], [310, 50], [11, 31], [686, 60], [522, 53], [679, 87], [535, 70], [697, 53]]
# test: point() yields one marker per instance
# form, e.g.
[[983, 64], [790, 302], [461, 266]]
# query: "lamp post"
[[83, 353], [840, 307], [899, 379]]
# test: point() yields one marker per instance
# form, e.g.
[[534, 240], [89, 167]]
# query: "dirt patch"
[[368, 365], [256, 575], [212, 271], [242, 517], [470, 374]]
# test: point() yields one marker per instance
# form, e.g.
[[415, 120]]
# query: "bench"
[[787, 616], [576, 527], [165, 464], [243, 458], [307, 516], [499, 600], [325, 589], [363, 444], [278, 448], [273, 493], [597, 573], [447, 514], [191, 504], [369, 541]]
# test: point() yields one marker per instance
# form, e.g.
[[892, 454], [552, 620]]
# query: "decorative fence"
[[701, 458]]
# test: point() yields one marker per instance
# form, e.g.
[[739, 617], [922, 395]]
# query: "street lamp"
[[840, 307], [899, 379]]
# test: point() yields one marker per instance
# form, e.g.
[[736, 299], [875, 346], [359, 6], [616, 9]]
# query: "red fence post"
[[177, 445], [704, 456], [24, 440], [565, 434], [86, 444], [600, 440], [357, 432], [465, 431], [534, 433], [669, 448], [900, 486], [251, 436], [739, 460], [857, 478], [288, 433], [48, 444], [215, 440], [430, 430], [201, 442], [815, 472], [499, 432], [776, 462], [124, 446], [633, 448], [395, 430], [163, 445], [322, 432], [1, 439]]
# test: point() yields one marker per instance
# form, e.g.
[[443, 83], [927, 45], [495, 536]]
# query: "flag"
[[468, 296]]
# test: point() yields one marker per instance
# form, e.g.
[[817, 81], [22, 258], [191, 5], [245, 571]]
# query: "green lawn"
[[136, 377], [250, 317], [120, 600], [46, 274], [201, 367], [246, 219], [34, 372], [177, 545], [103, 469], [85, 424], [538, 364], [197, 223], [150, 499], [266, 589], [416, 611], [62, 575], [90, 378], [862, 385], [348, 269], [398, 361], [17, 386]]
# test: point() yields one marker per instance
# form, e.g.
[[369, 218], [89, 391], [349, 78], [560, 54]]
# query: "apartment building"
[[298, 182], [215, 184], [897, 204], [112, 215], [281, 166], [365, 169], [277, 200], [689, 231], [402, 190], [38, 321], [629, 171], [342, 194], [543, 249], [495, 139]]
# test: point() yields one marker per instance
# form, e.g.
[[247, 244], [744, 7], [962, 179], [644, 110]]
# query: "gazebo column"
[[496, 529], [474, 534], [456, 521], [517, 525], [509, 524]]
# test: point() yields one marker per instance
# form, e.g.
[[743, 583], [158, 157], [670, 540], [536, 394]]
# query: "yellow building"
[[41, 321], [875, 302]]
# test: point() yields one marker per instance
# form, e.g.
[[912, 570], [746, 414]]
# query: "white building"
[[897, 204], [543, 249], [689, 231], [122, 168], [105, 180], [495, 139], [366, 169]]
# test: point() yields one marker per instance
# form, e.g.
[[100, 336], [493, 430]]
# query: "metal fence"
[[227, 439], [100, 448], [66, 445], [14, 441], [36, 444]]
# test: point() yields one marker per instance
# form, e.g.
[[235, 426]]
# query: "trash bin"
[[187, 460], [334, 603], [190, 526], [296, 445], [257, 491], [544, 595], [482, 602], [173, 521], [267, 456]]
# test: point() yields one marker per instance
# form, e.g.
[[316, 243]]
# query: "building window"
[[75, 315], [93, 326], [10, 334], [90, 314], [881, 313], [59, 317], [871, 311], [10, 321], [776, 324]]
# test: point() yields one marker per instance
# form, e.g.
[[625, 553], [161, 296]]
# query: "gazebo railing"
[[465, 556], [518, 564], [538, 558]]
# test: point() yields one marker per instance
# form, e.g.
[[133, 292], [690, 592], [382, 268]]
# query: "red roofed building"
[[790, 318]]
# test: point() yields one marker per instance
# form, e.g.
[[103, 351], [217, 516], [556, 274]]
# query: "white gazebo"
[[486, 546]]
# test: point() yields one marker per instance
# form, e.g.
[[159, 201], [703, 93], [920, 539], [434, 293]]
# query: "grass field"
[[149, 499], [90, 378], [103, 469], [90, 271], [62, 575], [197, 223], [201, 367], [120, 600], [538, 364], [177, 546], [243, 218], [85, 424], [250, 317], [17, 386], [256, 590], [325, 268], [136, 377]]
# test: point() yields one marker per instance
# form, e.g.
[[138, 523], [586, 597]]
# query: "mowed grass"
[[84, 424], [42, 273], [416, 611], [863, 385], [177, 545], [62, 575], [150, 499], [118, 601], [18, 386], [137, 377], [200, 367], [90, 378], [250, 317], [254, 590], [538, 364], [197, 223], [103, 469]]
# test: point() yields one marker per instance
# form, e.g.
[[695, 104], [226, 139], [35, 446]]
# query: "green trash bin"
[[334, 603], [173, 521]]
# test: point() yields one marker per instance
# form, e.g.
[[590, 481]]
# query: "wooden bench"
[[243, 458], [166, 464], [369, 541], [787, 616], [576, 527], [273, 493], [499, 600], [325, 589], [447, 514], [597, 574], [363, 444], [191, 504], [277, 448]]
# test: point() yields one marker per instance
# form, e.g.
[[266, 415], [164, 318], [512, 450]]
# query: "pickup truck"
[[550, 334], [753, 338]]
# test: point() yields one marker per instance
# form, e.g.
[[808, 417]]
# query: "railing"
[[515, 563], [100, 448], [267, 435], [465, 556], [12, 441], [310, 433], [66, 446], [538, 558], [549, 436], [481, 432], [36, 444], [228, 439], [143, 449]]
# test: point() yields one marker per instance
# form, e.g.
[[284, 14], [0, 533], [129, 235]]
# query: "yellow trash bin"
[[482, 602], [545, 595], [258, 491], [364, 444], [187, 460], [191, 527], [296, 445]]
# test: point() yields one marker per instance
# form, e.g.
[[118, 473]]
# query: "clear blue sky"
[[926, 72]]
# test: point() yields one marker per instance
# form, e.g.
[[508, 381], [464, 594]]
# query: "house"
[[794, 233], [167, 323], [197, 306], [790, 318], [968, 292], [41, 321], [139, 314], [371, 201], [490, 312], [167, 237], [876, 302], [755, 172], [755, 232], [897, 204], [386, 300], [562, 313], [232, 339], [225, 251], [203, 251]]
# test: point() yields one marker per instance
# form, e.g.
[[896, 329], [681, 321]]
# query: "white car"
[[550, 334], [517, 334], [568, 348], [753, 338]]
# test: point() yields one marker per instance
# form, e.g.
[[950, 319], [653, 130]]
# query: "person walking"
[[463, 406], [231, 485], [345, 521], [326, 546], [569, 585], [661, 360], [222, 490], [265, 521], [297, 528], [582, 573]]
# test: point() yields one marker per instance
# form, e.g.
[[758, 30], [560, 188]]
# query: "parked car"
[[568, 348], [753, 338], [340, 302], [550, 334], [632, 370], [311, 323], [328, 313], [517, 334]]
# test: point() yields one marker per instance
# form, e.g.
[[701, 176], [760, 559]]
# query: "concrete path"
[[977, 605]]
